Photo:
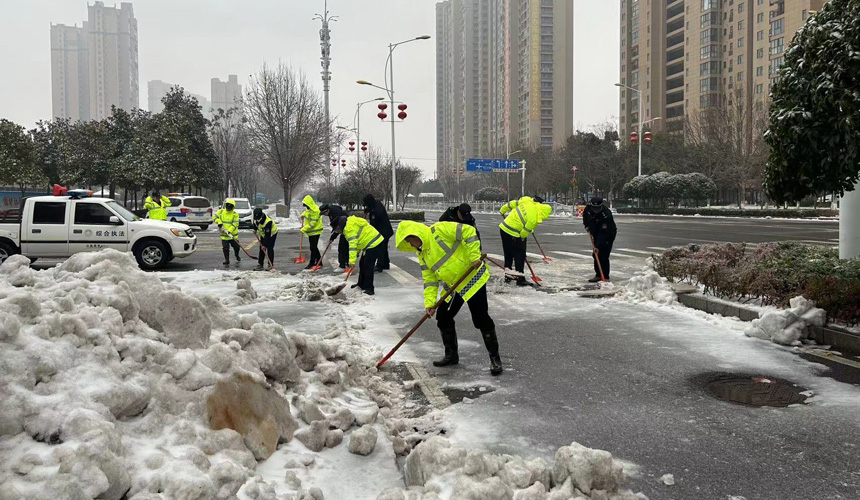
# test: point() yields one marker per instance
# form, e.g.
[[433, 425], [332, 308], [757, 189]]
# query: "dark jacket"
[[450, 215], [377, 216], [335, 212], [601, 225]]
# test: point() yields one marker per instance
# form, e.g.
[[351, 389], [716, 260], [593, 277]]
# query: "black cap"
[[465, 209], [155, 193], [538, 199], [341, 223], [596, 201], [258, 213], [323, 207]]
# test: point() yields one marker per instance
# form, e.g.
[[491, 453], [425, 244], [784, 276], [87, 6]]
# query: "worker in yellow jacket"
[[312, 227], [364, 238], [446, 251], [156, 206], [522, 218], [227, 220]]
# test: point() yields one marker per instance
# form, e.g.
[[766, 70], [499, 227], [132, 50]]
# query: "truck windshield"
[[122, 211]]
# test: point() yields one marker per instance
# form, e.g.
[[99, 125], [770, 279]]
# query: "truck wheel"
[[151, 254], [6, 251], [204, 227]]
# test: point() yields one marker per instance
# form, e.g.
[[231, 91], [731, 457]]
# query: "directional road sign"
[[492, 165]]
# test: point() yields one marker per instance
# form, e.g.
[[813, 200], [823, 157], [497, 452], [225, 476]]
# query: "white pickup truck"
[[60, 226]]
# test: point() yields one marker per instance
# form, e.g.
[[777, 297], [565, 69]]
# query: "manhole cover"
[[757, 390]]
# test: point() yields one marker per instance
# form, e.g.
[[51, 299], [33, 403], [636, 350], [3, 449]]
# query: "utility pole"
[[325, 49]]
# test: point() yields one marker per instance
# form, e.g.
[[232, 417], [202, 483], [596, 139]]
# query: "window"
[[710, 4], [759, 89], [49, 212], [634, 37], [759, 53], [740, 59], [740, 42], [740, 76], [92, 213], [709, 51], [760, 18], [710, 35], [760, 35], [804, 15], [777, 27], [759, 71], [740, 26], [776, 46], [709, 68], [740, 7], [709, 84], [775, 65], [711, 19]]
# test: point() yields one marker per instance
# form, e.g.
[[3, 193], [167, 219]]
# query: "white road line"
[[401, 276], [643, 252], [624, 255], [659, 249], [571, 254], [534, 255]]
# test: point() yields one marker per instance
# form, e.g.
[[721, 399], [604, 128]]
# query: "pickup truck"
[[60, 226]]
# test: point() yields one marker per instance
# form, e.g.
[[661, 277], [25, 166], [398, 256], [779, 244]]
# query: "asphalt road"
[[624, 377]]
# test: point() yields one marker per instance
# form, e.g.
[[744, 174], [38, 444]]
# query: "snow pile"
[[291, 222], [116, 385], [789, 326], [648, 285], [437, 469], [309, 290], [245, 294]]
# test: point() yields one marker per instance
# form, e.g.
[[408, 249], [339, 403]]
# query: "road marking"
[[571, 254], [643, 252], [429, 387], [403, 277], [534, 255], [659, 249], [619, 253]]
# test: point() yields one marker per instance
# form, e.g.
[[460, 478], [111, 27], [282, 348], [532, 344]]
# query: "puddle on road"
[[753, 390]]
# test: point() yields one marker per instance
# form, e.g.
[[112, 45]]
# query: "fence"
[[492, 207]]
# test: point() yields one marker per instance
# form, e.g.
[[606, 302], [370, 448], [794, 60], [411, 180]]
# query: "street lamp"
[[641, 123], [390, 64], [508, 175]]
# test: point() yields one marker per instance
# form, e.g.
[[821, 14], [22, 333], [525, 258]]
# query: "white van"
[[190, 210]]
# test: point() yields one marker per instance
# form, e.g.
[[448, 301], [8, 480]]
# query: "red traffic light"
[[401, 107], [634, 137], [647, 138], [382, 115], [401, 115], [382, 107]]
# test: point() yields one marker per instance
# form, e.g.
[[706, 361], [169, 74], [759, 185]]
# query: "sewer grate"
[[756, 390]]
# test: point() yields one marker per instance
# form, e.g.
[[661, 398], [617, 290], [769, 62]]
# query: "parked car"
[[61, 226], [246, 212], [190, 210]]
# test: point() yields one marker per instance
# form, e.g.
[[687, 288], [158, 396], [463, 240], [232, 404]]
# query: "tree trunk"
[[288, 195], [112, 190]]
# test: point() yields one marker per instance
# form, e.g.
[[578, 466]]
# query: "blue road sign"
[[492, 165]]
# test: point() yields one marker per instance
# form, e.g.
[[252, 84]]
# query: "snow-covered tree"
[[18, 159], [815, 114]]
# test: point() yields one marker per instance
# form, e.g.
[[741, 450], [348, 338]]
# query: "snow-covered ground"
[[123, 384]]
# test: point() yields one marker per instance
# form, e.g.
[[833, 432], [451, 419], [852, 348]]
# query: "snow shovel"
[[301, 258], [534, 276], [545, 258], [243, 248], [320, 263], [604, 283], [265, 252], [502, 267], [337, 289], [427, 316]]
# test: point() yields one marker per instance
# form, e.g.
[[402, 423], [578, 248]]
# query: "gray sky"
[[188, 42]]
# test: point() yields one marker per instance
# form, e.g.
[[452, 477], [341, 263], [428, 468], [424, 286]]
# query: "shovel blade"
[[335, 289], [299, 260]]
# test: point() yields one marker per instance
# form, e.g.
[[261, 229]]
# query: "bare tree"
[[228, 131], [287, 126]]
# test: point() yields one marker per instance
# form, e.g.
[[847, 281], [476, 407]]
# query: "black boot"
[[449, 340], [492, 344], [521, 281], [226, 258]]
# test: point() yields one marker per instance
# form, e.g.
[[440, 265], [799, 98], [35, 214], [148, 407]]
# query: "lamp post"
[[390, 64], [641, 123]]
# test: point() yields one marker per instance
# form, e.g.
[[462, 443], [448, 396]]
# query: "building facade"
[[686, 57], [226, 95], [504, 77], [95, 67]]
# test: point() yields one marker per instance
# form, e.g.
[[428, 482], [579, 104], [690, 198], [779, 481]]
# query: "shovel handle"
[[319, 264], [427, 316]]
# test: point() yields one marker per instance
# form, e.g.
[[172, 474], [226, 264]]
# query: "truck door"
[[95, 227], [45, 229]]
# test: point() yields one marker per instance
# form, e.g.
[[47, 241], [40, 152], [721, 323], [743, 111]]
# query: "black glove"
[[333, 237]]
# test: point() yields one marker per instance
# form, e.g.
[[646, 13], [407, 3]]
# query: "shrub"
[[662, 187], [790, 213], [773, 273], [490, 194], [415, 215]]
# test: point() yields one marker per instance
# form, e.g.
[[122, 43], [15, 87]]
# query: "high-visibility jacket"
[[313, 225], [523, 216], [266, 227], [448, 250], [361, 236], [228, 222], [157, 208]]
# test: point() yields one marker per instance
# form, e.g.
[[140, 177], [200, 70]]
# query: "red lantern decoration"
[[352, 143], [634, 137], [401, 115], [333, 162], [364, 143], [351, 149], [647, 138], [401, 107], [382, 115], [343, 162], [364, 148], [382, 107]]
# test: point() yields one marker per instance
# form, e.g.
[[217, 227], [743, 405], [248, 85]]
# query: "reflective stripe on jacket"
[[261, 227], [361, 236], [448, 250], [229, 223], [157, 209], [523, 216], [312, 225]]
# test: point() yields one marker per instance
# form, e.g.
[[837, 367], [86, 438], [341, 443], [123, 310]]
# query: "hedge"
[[789, 213], [773, 273], [413, 215]]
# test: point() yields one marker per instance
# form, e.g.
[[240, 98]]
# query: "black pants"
[[515, 251], [225, 246], [366, 266], [477, 306], [267, 246], [342, 251], [383, 262], [604, 248], [314, 244]]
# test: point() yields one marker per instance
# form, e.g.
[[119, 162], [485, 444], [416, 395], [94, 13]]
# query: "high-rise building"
[[689, 56], [504, 77], [226, 95], [156, 90], [96, 66]]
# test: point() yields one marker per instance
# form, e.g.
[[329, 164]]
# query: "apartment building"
[[504, 77], [688, 56]]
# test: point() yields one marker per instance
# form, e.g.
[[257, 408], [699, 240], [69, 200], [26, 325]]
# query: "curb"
[[840, 340]]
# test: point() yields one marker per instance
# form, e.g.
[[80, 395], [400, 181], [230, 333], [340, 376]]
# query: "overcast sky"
[[188, 42]]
